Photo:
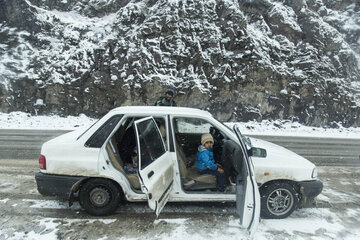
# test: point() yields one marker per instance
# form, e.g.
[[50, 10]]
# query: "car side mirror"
[[257, 152]]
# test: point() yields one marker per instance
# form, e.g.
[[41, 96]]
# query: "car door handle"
[[250, 206], [150, 174]]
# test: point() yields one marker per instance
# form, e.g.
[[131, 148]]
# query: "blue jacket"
[[205, 159]]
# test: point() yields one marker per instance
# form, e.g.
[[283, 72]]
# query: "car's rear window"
[[87, 129], [99, 137]]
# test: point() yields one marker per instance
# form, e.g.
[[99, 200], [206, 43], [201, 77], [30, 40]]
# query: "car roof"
[[161, 110]]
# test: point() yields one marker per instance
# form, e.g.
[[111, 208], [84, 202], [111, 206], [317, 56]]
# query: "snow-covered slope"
[[241, 60]]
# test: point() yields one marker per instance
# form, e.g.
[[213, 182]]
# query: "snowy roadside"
[[21, 120]]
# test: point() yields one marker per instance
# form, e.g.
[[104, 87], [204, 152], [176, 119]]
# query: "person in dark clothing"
[[126, 145], [134, 166], [168, 99]]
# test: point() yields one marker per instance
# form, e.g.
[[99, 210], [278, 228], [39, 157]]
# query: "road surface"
[[25, 214]]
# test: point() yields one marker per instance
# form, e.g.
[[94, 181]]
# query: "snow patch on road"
[[171, 221], [104, 221], [228, 231], [312, 221], [353, 213], [345, 182], [52, 204], [48, 231], [4, 200], [336, 196], [323, 198]]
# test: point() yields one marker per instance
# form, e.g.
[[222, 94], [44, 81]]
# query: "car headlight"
[[314, 173]]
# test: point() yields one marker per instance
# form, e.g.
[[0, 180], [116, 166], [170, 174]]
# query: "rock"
[[253, 60]]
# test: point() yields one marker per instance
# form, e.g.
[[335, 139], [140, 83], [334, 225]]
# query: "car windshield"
[[244, 138]]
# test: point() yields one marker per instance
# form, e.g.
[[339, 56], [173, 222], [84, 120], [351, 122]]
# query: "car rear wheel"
[[278, 200], [99, 196]]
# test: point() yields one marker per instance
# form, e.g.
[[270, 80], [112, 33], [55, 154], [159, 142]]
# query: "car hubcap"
[[99, 197], [280, 201]]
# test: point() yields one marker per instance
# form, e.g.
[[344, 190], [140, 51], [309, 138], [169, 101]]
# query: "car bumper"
[[56, 185], [309, 190]]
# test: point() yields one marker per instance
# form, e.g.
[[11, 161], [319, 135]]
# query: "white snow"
[[39, 102], [21, 120], [288, 128], [320, 223], [49, 232], [52, 204], [303, 221], [171, 220], [284, 92], [4, 200], [104, 221]]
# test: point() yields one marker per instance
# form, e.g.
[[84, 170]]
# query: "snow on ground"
[[309, 223], [21, 120]]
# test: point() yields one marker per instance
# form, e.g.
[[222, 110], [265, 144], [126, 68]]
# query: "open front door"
[[155, 165], [247, 192]]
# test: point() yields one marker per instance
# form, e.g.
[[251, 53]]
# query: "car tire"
[[278, 200], [99, 196]]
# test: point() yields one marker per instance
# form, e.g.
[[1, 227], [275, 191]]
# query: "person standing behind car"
[[168, 99], [205, 161]]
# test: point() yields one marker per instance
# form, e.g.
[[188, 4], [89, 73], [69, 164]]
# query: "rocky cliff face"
[[240, 60]]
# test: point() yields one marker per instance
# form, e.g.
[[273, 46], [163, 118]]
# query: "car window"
[[87, 129], [188, 132], [192, 125], [151, 144], [99, 137], [196, 126]]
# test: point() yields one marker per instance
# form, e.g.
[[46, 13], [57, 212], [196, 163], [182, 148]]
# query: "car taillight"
[[42, 162]]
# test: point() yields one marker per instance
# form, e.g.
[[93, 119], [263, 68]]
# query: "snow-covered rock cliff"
[[241, 60]]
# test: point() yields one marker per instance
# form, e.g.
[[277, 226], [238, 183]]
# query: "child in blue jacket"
[[205, 161]]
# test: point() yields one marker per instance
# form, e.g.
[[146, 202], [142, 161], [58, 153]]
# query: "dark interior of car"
[[186, 145]]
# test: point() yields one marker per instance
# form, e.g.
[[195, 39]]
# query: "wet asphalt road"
[[26, 144], [25, 214]]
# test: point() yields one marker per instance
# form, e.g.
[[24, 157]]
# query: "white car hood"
[[280, 156]]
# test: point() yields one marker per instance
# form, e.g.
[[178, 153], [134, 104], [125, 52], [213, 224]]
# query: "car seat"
[[191, 178], [116, 161]]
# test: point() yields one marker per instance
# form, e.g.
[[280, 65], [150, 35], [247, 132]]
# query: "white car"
[[91, 166]]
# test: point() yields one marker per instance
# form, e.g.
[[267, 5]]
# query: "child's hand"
[[220, 170]]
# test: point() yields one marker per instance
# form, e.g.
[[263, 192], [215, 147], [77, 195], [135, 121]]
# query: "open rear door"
[[155, 165], [247, 192]]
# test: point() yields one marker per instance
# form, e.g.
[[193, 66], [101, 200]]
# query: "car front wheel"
[[278, 200], [99, 196]]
